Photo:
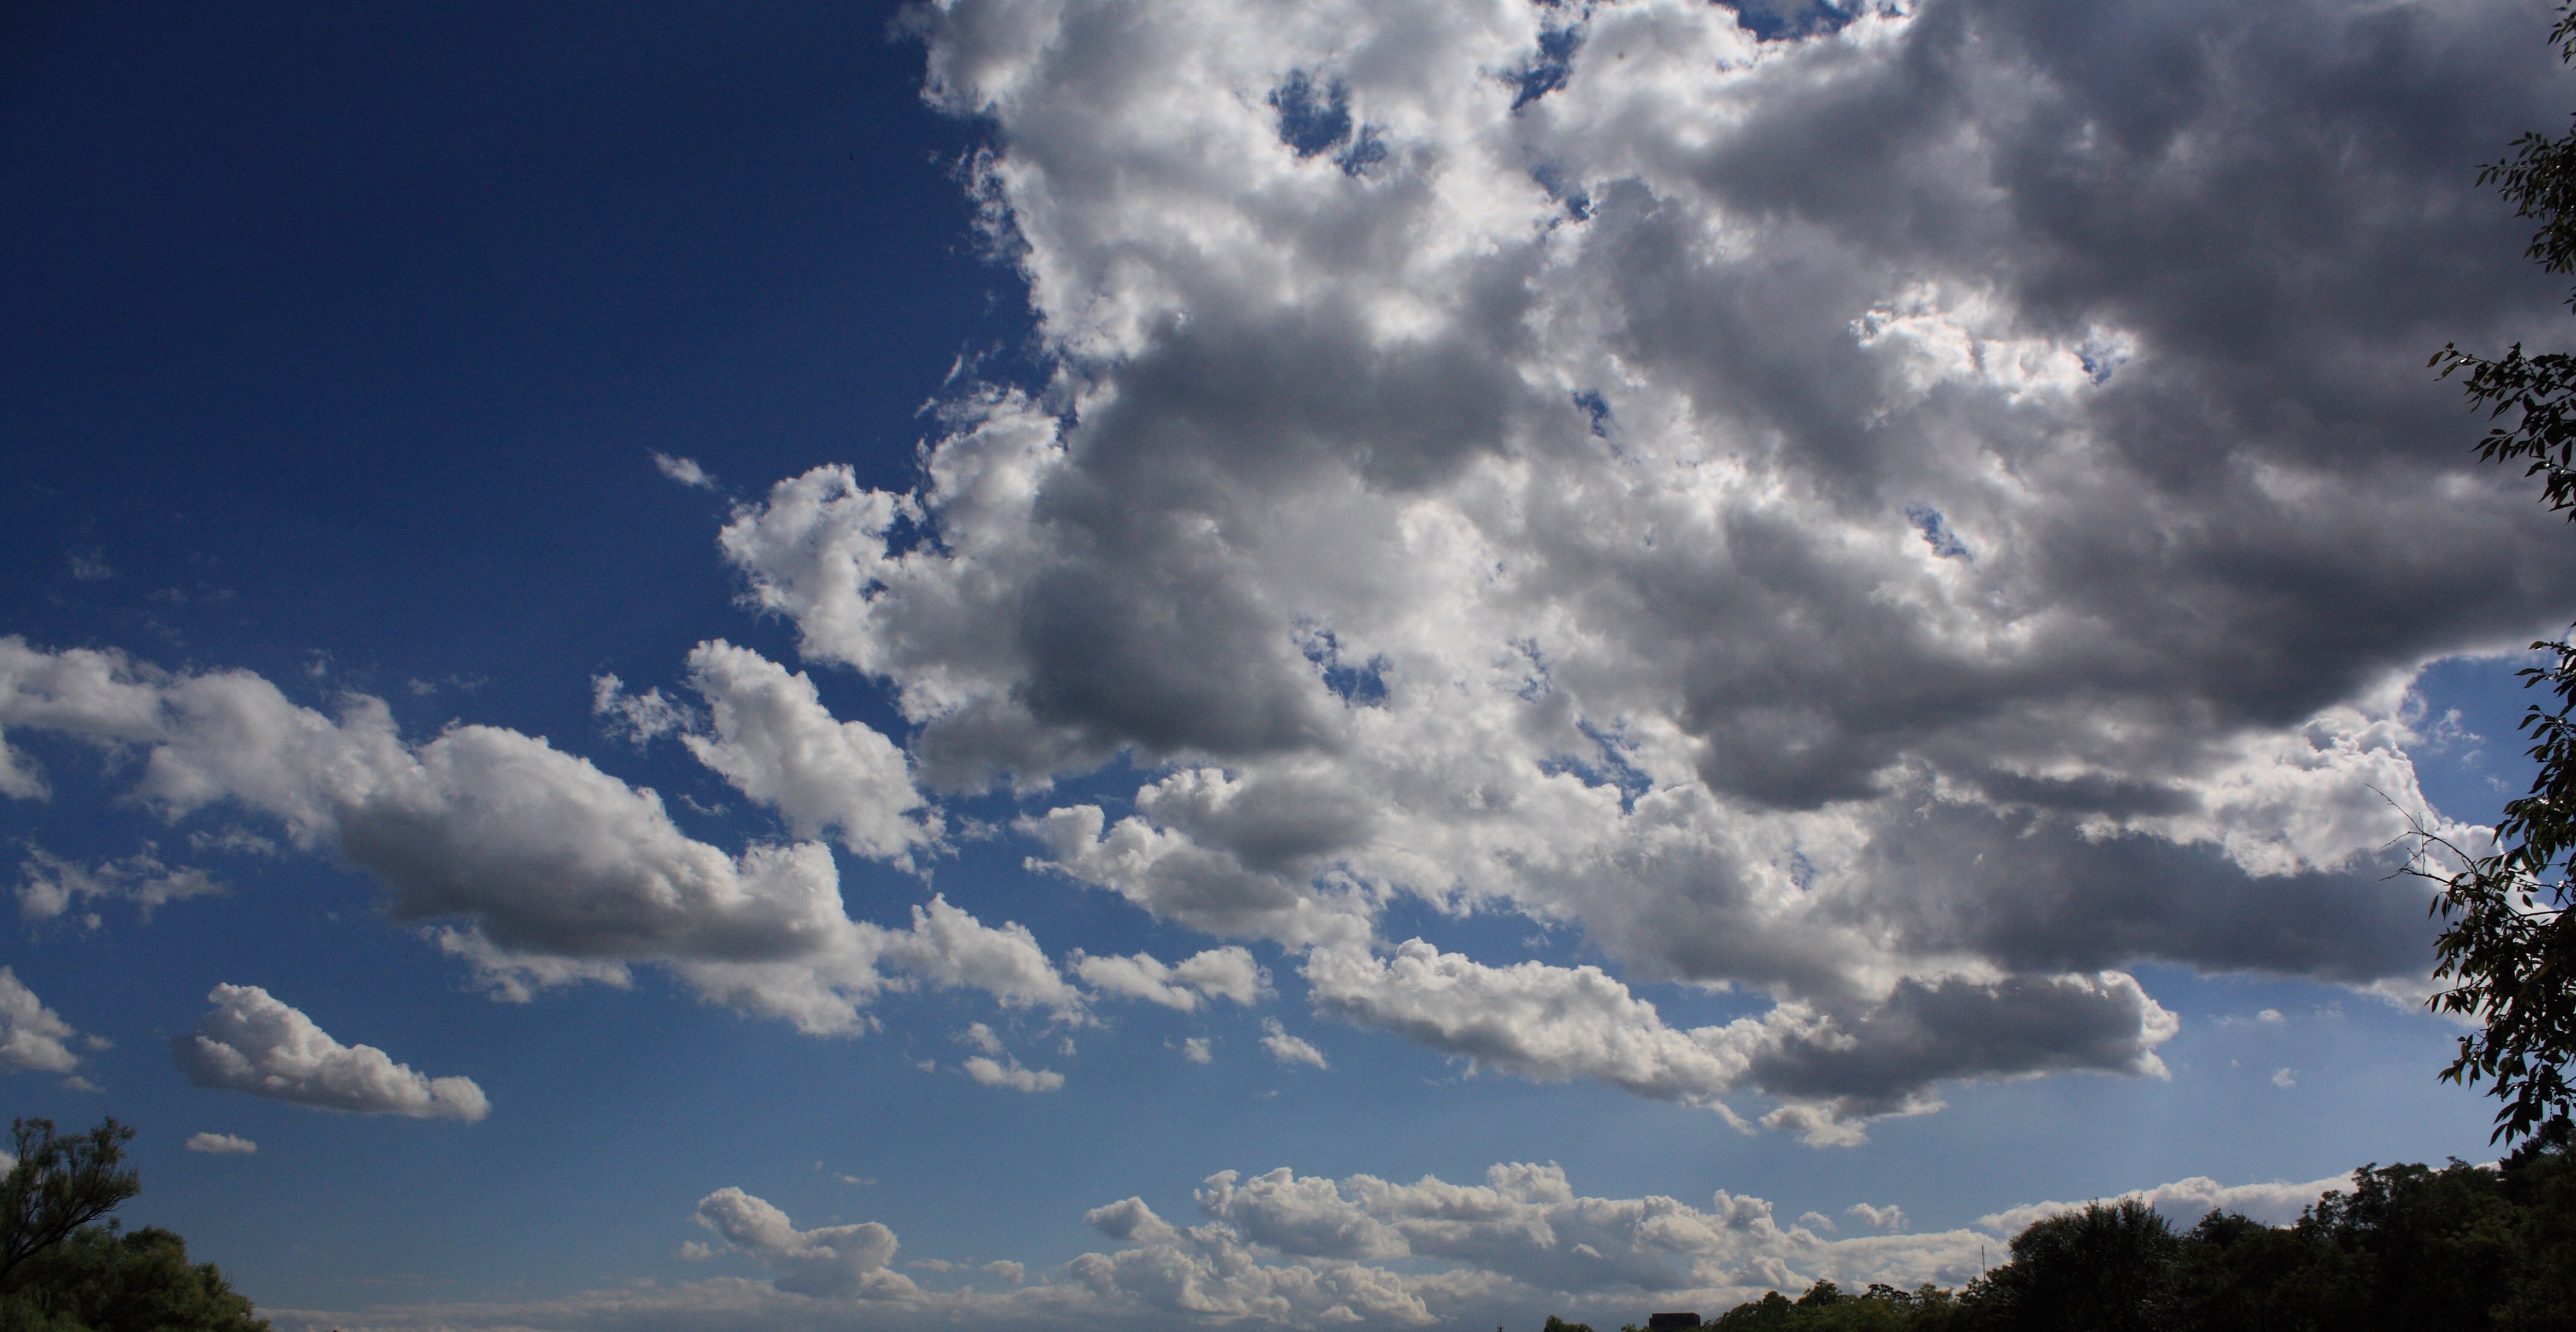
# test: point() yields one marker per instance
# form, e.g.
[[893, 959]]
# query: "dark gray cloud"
[[1907, 508]]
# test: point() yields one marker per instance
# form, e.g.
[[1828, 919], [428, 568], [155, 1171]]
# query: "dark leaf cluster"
[[2508, 947]]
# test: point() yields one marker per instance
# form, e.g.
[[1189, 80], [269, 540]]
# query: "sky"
[[1074, 665]]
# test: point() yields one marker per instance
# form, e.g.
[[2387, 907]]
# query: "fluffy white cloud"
[[771, 737], [1878, 1218], [32, 1036], [1505, 471], [2187, 1200], [1007, 1072], [252, 1042], [1289, 1049], [558, 872], [832, 1262], [995, 1067], [683, 470], [1217, 973], [222, 1144], [54, 885]]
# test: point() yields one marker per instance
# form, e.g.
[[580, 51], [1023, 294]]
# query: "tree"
[[142, 1281], [2105, 1267], [2509, 946], [59, 1185]]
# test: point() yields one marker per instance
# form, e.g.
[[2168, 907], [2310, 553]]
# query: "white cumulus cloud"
[[1218, 973], [32, 1036], [1289, 1049], [552, 871], [254, 1043], [222, 1144]]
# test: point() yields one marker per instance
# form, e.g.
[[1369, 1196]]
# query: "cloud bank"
[[1491, 458], [1908, 518], [1302, 1251], [551, 871]]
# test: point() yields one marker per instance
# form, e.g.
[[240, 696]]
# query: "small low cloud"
[[1289, 1049], [54, 885], [252, 1042], [1890, 1217], [1195, 1050], [1009, 1073], [684, 470], [2285, 1077], [32, 1036], [222, 1144]]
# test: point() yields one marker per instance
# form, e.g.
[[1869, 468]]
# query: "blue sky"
[[1814, 613]]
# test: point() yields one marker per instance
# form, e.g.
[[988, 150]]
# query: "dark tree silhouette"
[[59, 1185], [2509, 948]]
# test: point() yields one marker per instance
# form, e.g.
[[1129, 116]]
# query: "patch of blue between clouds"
[[1548, 70], [1792, 20], [1316, 119], [1596, 407], [1937, 534], [1577, 200], [1611, 769], [2099, 361], [1360, 686]]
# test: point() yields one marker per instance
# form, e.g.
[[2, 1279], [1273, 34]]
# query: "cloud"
[[1218, 973], [53, 885], [1006, 1070], [1912, 593], [1878, 1218], [835, 1262], [1481, 465], [32, 1036], [552, 871], [1835, 1069], [253, 1043], [1309, 1252], [1008, 1073], [2185, 1201], [683, 470], [1289, 1049], [222, 1144], [772, 739], [1196, 1050]]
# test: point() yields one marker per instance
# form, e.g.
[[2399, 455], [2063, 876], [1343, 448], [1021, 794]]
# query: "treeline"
[[2408, 1248], [63, 1270]]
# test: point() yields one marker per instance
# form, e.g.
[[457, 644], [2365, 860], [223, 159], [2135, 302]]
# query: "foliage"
[[2102, 1268], [2509, 947], [64, 1274], [100, 1281], [1826, 1308], [59, 1185], [2407, 1249]]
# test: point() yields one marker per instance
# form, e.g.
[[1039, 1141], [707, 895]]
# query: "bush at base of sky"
[[101, 1281], [2408, 1249]]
